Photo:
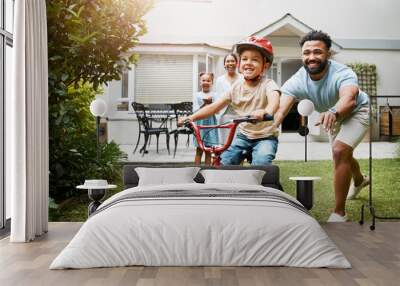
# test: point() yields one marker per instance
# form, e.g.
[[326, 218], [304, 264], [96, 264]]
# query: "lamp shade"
[[305, 107], [98, 107]]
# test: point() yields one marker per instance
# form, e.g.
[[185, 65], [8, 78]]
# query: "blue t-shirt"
[[324, 93]]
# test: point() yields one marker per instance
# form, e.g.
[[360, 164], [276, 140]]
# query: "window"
[[9, 15], [6, 60], [125, 84], [123, 104], [272, 73], [164, 78]]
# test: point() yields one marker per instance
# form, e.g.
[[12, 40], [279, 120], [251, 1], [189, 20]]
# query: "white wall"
[[123, 131], [387, 64], [387, 67]]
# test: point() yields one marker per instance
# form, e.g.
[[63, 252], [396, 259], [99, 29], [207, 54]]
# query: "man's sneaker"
[[354, 190], [334, 217]]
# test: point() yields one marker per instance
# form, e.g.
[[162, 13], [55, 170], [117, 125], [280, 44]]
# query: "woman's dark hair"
[[315, 35], [231, 54]]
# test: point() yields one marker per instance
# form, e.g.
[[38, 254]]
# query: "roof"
[[289, 26]]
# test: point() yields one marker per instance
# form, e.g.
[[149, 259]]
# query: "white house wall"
[[387, 64], [287, 52], [112, 96], [123, 131]]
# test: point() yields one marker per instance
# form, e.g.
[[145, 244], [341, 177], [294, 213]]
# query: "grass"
[[386, 190], [385, 186]]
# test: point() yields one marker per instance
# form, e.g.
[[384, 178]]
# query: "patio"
[[291, 147]]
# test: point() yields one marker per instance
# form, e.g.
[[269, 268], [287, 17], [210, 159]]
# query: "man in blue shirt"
[[333, 88]]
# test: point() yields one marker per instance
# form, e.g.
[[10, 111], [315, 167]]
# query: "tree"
[[89, 44], [90, 40]]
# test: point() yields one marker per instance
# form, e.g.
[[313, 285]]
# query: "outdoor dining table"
[[154, 118], [160, 113]]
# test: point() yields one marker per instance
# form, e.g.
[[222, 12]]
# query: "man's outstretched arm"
[[344, 107], [286, 102]]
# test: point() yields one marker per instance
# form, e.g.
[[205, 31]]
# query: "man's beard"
[[316, 70]]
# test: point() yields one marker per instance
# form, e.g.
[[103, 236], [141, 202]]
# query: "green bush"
[[89, 44], [73, 148]]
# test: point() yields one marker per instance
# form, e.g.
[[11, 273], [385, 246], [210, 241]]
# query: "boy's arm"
[[273, 102], [272, 106], [210, 109], [286, 102]]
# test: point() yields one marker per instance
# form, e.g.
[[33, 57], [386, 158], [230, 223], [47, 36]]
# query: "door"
[[288, 68]]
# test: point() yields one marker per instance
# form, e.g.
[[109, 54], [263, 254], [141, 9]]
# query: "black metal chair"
[[145, 127], [181, 109]]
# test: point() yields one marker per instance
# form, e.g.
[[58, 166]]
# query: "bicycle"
[[217, 150]]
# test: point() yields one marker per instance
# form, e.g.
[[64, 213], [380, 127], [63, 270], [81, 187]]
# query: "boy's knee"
[[264, 154], [230, 158], [265, 159]]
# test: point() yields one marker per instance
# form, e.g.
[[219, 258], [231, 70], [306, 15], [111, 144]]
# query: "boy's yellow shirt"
[[244, 100]]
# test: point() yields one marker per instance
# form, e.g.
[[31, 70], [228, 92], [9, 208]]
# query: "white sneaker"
[[334, 217], [354, 190]]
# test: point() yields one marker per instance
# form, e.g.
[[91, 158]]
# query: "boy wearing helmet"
[[254, 95]]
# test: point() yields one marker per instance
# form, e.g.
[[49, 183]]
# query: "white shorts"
[[352, 130]]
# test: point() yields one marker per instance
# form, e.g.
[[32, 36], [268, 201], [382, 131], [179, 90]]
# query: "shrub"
[[89, 44], [73, 148]]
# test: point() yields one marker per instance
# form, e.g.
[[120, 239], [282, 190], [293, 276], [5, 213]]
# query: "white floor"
[[291, 147]]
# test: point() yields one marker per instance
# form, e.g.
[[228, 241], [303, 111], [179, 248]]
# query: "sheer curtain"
[[28, 123]]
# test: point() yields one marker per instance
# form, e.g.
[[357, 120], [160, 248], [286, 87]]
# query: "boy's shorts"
[[352, 130]]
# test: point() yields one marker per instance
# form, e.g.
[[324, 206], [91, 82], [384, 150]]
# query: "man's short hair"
[[315, 35]]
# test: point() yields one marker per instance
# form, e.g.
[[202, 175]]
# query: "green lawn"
[[386, 190], [386, 186]]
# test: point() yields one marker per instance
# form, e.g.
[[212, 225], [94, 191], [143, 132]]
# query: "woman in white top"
[[224, 84]]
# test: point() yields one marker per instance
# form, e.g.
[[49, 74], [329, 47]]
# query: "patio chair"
[[146, 128], [181, 109]]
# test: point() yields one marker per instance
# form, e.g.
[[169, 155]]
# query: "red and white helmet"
[[261, 44]]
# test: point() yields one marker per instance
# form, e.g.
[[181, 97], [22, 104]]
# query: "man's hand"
[[258, 114], [327, 119], [182, 120]]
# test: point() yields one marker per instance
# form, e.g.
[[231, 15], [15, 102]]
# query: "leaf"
[[64, 77], [55, 57]]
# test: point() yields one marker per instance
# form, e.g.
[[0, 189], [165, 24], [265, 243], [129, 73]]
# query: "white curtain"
[[28, 123]]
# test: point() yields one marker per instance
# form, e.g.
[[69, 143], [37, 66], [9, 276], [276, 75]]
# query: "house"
[[187, 37], [163, 227]]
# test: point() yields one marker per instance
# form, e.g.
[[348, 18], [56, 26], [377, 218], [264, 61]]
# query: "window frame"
[[6, 39]]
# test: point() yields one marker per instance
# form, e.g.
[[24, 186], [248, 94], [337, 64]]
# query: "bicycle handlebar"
[[250, 119], [236, 121], [230, 125]]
